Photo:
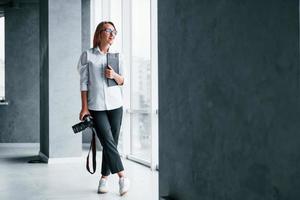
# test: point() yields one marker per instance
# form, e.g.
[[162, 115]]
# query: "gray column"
[[86, 35], [60, 48], [86, 23]]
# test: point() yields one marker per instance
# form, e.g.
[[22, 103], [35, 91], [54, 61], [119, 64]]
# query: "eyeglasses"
[[108, 30]]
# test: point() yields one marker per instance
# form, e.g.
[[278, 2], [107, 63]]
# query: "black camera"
[[87, 122]]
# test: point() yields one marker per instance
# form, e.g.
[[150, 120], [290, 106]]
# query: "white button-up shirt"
[[91, 67]]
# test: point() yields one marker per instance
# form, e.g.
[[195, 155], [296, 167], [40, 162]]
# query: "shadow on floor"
[[24, 159]]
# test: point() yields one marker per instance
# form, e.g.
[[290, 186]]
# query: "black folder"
[[113, 61]]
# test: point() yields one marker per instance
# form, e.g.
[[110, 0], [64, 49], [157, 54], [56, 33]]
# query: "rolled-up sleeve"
[[83, 70], [122, 69]]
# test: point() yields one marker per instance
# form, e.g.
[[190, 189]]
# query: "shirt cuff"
[[83, 87]]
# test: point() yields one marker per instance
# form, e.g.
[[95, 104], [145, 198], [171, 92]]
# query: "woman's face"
[[108, 34]]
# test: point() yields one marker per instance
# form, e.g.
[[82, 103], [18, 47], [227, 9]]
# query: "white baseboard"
[[61, 160], [18, 145]]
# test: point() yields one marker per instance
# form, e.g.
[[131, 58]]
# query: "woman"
[[103, 103]]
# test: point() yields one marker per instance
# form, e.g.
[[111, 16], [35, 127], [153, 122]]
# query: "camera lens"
[[88, 122]]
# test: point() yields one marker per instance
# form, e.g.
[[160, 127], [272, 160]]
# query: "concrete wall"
[[86, 34], [19, 121], [85, 24], [23, 23], [229, 99], [44, 76], [60, 50]]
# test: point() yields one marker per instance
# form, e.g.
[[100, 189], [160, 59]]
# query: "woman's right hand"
[[83, 112]]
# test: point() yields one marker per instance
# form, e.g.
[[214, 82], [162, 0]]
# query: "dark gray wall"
[[44, 76], [229, 99], [19, 120], [86, 34]]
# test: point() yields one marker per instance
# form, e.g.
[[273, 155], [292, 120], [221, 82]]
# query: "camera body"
[[86, 123]]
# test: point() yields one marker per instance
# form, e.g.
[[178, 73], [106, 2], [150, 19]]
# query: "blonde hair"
[[97, 40]]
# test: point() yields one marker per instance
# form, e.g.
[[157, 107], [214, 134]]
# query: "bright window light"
[[2, 67]]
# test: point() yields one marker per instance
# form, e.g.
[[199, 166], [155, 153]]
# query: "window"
[[141, 80], [136, 22], [2, 66]]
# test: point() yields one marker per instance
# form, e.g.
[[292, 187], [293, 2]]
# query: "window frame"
[[126, 50], [3, 100]]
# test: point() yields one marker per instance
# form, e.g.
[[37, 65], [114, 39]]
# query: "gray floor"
[[21, 180]]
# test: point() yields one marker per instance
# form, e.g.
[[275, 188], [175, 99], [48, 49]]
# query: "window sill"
[[3, 103]]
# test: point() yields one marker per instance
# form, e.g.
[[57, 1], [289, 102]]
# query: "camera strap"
[[94, 151]]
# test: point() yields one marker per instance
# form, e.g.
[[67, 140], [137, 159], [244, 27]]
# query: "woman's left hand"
[[110, 73]]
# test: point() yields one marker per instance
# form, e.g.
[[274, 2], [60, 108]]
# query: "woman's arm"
[[118, 78], [84, 105], [110, 73], [82, 68]]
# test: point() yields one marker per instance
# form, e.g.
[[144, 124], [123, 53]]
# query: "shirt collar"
[[97, 49]]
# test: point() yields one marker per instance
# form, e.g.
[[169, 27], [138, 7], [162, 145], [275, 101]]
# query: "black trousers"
[[107, 125]]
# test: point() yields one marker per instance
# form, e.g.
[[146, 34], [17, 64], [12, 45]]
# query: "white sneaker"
[[124, 184], [102, 188]]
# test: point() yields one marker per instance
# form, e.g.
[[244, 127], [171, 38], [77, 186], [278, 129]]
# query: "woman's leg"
[[111, 160], [104, 165], [115, 119]]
